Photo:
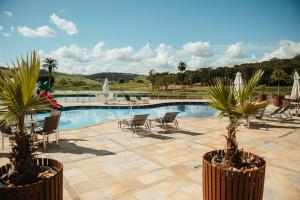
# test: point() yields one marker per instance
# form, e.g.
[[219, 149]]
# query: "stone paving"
[[105, 162]]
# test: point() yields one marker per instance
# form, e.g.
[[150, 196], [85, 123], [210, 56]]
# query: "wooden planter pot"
[[263, 97], [50, 188], [223, 184], [277, 100]]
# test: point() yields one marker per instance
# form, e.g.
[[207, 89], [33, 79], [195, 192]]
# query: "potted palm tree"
[[233, 173], [26, 177], [278, 75]]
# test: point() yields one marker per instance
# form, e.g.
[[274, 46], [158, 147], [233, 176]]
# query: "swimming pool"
[[79, 117]]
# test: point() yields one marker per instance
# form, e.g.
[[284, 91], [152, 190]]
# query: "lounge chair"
[[170, 117], [50, 126], [136, 122], [127, 98], [285, 112], [139, 99]]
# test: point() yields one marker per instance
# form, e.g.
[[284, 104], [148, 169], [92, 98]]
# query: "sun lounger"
[[169, 117], [129, 99], [137, 122]]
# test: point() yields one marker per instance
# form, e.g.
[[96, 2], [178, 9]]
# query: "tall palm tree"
[[234, 105], [17, 98], [181, 67], [50, 64]]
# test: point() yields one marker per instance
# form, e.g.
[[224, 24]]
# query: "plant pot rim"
[[238, 171], [39, 181]]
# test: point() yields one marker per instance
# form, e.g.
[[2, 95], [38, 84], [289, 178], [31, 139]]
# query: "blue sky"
[[138, 35]]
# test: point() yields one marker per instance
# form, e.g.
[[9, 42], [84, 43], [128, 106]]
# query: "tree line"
[[276, 71]]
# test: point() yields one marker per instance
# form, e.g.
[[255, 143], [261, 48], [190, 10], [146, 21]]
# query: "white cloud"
[[72, 52], [43, 31], [1, 28], [199, 49], [8, 13], [286, 49], [7, 34], [98, 49], [143, 53], [121, 54], [235, 51], [75, 59], [67, 26], [12, 29]]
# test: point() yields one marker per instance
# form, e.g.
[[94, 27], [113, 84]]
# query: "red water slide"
[[51, 100]]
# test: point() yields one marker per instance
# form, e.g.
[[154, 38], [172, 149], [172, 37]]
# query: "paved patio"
[[104, 162]]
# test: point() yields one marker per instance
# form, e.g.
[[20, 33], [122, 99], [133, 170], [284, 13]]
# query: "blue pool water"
[[73, 118]]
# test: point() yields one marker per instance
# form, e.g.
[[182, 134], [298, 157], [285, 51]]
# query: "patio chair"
[[50, 126], [7, 131], [169, 117], [285, 112], [136, 122]]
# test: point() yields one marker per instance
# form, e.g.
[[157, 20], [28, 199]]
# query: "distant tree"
[[50, 64], [181, 66], [140, 81], [278, 75], [63, 82], [121, 81], [165, 80], [152, 77]]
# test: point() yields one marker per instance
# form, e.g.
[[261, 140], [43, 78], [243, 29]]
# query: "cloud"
[[7, 34], [67, 26], [144, 53], [43, 31], [72, 53], [12, 29], [121, 54], [98, 50], [75, 59], [286, 49], [8, 13], [199, 49]]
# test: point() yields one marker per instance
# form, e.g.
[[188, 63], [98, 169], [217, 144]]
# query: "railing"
[[90, 96]]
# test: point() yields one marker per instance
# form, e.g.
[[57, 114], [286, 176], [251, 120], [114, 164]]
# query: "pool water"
[[83, 117]]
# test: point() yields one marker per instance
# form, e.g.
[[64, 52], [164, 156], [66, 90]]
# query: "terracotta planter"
[[219, 183], [277, 100], [50, 188], [263, 97]]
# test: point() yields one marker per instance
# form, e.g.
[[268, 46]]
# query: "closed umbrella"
[[105, 88], [238, 82], [295, 94]]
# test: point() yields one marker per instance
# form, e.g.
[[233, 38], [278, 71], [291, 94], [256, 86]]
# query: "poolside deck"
[[105, 162]]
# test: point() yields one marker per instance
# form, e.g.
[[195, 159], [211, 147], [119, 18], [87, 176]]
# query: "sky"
[[139, 35]]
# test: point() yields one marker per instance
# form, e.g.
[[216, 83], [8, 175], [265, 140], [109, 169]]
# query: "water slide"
[[51, 100]]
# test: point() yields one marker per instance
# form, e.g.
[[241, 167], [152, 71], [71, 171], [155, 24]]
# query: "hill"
[[112, 76]]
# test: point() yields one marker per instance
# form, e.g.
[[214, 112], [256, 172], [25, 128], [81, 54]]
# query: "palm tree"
[[50, 64], [234, 105], [17, 98], [181, 67]]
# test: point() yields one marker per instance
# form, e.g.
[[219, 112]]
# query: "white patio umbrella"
[[295, 94], [238, 82], [105, 88]]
